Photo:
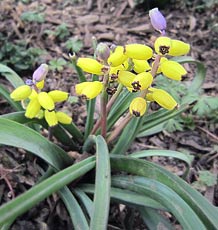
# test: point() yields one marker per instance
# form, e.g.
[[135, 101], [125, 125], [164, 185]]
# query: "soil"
[[115, 22]]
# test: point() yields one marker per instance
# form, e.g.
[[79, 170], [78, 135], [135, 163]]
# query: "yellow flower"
[[89, 90], [58, 95], [115, 70], [90, 65], [138, 51], [138, 106], [163, 98], [40, 84], [21, 93], [126, 78], [46, 101], [140, 66], [162, 45], [173, 70], [63, 118], [163, 59], [142, 81], [117, 57], [178, 48], [33, 94], [33, 108], [51, 118]]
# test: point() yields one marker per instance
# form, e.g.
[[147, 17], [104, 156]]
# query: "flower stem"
[[119, 128], [108, 107]]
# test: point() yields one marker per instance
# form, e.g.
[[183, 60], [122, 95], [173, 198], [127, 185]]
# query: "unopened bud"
[[158, 21], [102, 51], [40, 73]]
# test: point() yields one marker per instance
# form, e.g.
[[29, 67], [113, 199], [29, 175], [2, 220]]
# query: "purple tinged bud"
[[102, 51], [40, 73], [158, 21], [29, 82]]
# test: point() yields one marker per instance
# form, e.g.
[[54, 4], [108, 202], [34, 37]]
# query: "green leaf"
[[4, 93], [206, 106], [11, 76], [17, 135], [74, 209], [39, 192], [154, 220], [207, 212], [163, 194], [165, 153], [101, 204], [33, 16], [127, 197], [128, 135], [85, 200], [74, 45], [161, 118], [120, 106], [207, 178]]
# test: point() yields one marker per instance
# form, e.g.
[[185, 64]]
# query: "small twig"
[[209, 133]]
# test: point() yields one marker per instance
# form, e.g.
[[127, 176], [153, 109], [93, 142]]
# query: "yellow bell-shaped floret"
[[33, 108], [126, 78], [178, 48], [33, 94], [117, 57], [173, 70], [40, 84], [21, 93], [89, 90], [163, 98], [162, 45], [140, 66], [90, 65], [138, 106], [138, 51], [142, 81], [51, 118], [115, 70], [58, 95], [63, 118], [46, 101], [163, 59]]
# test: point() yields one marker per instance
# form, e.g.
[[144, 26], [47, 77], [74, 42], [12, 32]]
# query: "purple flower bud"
[[158, 21], [102, 51], [40, 73], [29, 82]]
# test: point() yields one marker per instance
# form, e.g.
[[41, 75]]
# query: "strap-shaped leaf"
[[206, 211], [163, 194], [74, 209], [11, 76], [101, 204], [4, 93], [17, 135], [39, 192], [154, 220], [127, 197], [85, 200], [165, 153], [128, 135]]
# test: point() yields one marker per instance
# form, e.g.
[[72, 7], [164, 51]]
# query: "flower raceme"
[[41, 104]]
